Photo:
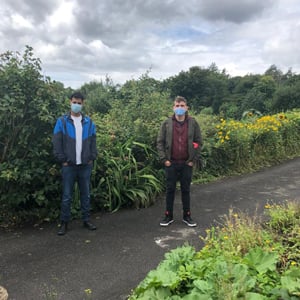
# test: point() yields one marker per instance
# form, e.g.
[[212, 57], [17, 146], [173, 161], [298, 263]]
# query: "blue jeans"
[[71, 174], [183, 174]]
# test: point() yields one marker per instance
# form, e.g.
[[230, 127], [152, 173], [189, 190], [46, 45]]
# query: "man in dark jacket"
[[74, 146], [178, 143]]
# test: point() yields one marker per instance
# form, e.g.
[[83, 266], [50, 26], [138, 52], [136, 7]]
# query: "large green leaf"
[[255, 296], [261, 260], [291, 281]]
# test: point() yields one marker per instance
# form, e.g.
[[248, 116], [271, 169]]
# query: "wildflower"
[[88, 291], [293, 263]]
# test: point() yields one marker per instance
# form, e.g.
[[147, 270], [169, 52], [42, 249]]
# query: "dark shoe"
[[168, 219], [89, 225], [63, 228], [188, 220]]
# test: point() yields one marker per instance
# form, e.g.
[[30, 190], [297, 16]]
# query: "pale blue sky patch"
[[181, 33]]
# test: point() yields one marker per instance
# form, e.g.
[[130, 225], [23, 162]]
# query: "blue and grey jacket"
[[64, 143]]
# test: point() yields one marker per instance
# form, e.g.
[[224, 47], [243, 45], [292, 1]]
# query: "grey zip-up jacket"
[[165, 136]]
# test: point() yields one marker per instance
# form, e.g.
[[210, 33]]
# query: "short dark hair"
[[180, 99], [77, 95]]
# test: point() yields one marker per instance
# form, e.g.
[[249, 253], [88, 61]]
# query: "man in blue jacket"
[[74, 146]]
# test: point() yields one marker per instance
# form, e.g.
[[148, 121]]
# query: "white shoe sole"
[[189, 224], [165, 224]]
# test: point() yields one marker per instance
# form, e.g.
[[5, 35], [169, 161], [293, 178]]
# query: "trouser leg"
[[171, 179], [84, 175], [68, 180], [185, 178]]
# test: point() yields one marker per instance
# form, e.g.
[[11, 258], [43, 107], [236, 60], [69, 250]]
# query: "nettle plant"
[[232, 265]]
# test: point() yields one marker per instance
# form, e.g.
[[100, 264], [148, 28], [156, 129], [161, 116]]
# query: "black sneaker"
[[188, 220], [89, 225], [168, 219], [63, 228]]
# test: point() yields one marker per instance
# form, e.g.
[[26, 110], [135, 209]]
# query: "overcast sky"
[[80, 41]]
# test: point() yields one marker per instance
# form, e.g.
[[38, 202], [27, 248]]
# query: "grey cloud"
[[35, 10], [128, 37], [112, 22], [232, 10]]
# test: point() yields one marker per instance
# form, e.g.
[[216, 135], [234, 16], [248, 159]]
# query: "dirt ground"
[[37, 264]]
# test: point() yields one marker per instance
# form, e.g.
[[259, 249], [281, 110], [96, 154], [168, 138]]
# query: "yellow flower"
[[88, 291]]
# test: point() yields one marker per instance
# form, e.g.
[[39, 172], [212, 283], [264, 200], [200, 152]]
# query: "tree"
[[286, 97], [275, 73], [259, 96], [99, 95], [202, 87], [29, 106]]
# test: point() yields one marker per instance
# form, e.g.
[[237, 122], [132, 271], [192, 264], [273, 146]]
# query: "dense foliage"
[[253, 142], [247, 122], [29, 104]]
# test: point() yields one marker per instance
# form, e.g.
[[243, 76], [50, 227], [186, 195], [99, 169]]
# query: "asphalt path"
[[37, 264]]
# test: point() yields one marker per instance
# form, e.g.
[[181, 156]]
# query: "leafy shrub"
[[231, 265], [127, 178], [27, 114], [127, 171], [252, 143]]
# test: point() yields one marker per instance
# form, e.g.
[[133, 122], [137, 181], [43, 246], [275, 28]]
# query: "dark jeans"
[[183, 174], [71, 174]]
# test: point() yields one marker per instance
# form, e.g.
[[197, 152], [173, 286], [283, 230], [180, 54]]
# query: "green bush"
[[125, 177], [28, 108], [127, 172], [243, 259], [247, 145]]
